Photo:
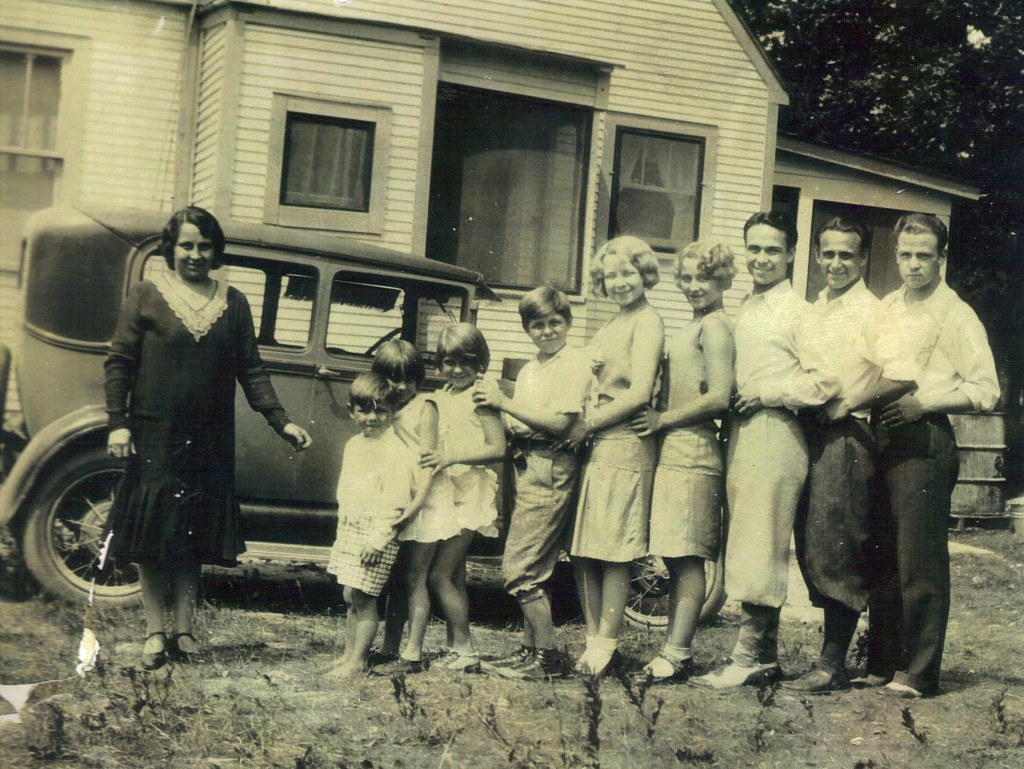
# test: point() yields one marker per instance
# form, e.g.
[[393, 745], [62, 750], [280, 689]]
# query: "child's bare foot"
[[349, 671]]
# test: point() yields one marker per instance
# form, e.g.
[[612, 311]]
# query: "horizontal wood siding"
[[127, 126], [130, 125], [209, 114], [676, 60], [337, 69]]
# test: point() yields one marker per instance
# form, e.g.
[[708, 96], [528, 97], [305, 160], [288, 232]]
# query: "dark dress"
[[176, 393]]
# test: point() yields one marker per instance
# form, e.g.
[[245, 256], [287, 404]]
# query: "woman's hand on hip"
[[120, 443], [296, 436], [646, 422]]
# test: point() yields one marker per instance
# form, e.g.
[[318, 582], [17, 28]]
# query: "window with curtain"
[[30, 161], [327, 163], [657, 181], [507, 186]]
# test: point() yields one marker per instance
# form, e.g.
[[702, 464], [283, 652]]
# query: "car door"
[[363, 310]]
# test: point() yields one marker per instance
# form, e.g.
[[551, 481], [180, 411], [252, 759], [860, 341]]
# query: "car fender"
[[35, 458]]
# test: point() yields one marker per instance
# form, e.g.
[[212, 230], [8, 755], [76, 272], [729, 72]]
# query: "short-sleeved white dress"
[[462, 497]]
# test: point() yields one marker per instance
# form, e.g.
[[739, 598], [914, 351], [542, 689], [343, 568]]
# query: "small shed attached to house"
[[814, 183]]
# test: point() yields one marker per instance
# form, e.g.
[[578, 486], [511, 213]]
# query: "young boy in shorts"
[[376, 495], [550, 392]]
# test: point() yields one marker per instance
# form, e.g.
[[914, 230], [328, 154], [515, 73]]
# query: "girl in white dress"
[[457, 439], [615, 493]]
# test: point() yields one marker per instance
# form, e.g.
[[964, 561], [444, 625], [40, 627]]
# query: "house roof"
[[866, 163], [752, 46]]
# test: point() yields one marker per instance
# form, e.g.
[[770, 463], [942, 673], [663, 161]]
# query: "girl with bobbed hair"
[[713, 261], [639, 254], [686, 505], [615, 492]]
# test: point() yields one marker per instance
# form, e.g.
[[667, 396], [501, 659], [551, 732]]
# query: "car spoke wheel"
[[648, 602], [64, 532]]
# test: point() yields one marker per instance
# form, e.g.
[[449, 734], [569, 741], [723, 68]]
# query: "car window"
[[365, 312], [280, 296]]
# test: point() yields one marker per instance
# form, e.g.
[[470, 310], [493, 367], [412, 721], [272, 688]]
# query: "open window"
[[367, 311], [508, 185]]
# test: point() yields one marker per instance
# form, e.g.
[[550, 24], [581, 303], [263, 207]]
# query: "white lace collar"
[[198, 321]]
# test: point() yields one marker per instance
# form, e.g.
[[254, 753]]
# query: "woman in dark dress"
[[182, 340]]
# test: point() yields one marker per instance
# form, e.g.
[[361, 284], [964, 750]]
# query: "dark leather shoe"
[[818, 681], [155, 659]]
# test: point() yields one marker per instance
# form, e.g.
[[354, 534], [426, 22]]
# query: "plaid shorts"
[[344, 561]]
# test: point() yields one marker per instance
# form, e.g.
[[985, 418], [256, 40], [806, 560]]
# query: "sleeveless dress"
[[461, 497], [689, 488], [613, 513], [170, 379]]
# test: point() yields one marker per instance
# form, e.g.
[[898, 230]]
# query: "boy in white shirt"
[[549, 394]]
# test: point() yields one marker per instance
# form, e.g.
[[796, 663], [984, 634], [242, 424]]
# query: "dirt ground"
[[259, 698]]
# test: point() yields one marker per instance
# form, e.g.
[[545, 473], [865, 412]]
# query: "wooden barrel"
[[980, 487]]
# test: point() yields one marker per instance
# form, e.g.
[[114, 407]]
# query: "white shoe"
[[734, 675]]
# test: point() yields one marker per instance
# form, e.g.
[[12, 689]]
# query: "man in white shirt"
[[767, 459], [843, 505], [926, 334]]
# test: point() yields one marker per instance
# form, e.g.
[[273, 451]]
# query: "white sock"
[[676, 653], [599, 652], [590, 641]]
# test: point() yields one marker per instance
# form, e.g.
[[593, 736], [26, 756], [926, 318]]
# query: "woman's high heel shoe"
[[154, 660], [179, 654]]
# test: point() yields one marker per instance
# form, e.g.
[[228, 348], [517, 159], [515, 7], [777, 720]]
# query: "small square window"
[[328, 163]]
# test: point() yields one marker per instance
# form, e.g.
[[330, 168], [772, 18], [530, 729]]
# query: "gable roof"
[[859, 161], [752, 46]]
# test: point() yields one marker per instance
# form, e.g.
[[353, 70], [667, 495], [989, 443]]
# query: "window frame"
[[408, 284], [74, 54], [369, 222], [705, 135], [586, 153]]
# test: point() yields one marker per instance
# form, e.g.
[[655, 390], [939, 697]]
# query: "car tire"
[[647, 604], [61, 540]]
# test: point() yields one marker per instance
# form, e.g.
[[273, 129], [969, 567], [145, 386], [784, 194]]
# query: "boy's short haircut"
[[917, 224], [715, 261], [400, 361], [777, 220], [542, 301], [464, 342], [640, 255], [370, 391], [839, 224]]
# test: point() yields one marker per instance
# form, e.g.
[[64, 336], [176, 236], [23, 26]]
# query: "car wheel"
[[61, 541], [649, 591]]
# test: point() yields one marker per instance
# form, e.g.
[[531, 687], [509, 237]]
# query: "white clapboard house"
[[508, 137]]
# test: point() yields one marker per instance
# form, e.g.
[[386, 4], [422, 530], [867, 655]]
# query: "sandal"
[[682, 670], [154, 660], [176, 653]]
